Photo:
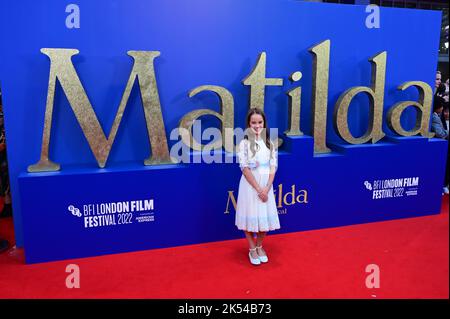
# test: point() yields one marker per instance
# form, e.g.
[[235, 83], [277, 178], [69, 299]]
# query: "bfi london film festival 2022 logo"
[[393, 187], [115, 213]]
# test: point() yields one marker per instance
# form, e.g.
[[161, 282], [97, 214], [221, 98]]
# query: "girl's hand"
[[263, 197], [266, 190], [263, 194]]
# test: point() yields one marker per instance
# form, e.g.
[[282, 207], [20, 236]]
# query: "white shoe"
[[445, 190], [253, 261], [264, 258]]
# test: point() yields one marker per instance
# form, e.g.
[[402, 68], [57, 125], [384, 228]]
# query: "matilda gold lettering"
[[321, 66], [233, 201], [62, 69], [376, 99], [294, 107], [257, 81], [423, 107]]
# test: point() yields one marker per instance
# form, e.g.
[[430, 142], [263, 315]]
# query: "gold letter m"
[[61, 68]]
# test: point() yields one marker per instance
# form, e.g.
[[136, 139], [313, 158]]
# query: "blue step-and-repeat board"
[[64, 69]]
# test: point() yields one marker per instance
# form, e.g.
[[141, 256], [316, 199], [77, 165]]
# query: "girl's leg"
[[251, 243], [259, 240]]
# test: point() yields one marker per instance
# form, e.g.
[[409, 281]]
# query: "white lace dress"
[[252, 214]]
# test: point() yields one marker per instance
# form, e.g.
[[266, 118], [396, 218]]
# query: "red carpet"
[[412, 254]]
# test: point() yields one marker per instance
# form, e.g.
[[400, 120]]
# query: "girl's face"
[[256, 124]]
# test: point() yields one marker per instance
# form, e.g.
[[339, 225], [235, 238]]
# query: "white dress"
[[252, 214]]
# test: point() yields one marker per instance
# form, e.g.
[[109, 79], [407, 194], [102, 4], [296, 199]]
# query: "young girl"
[[256, 211]]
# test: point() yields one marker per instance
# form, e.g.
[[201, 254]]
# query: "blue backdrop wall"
[[217, 43]]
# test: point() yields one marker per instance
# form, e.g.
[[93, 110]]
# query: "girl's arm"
[[270, 181], [251, 179], [243, 158], [273, 168], [265, 191]]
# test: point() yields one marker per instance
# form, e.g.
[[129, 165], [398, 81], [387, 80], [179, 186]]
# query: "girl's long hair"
[[250, 136]]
